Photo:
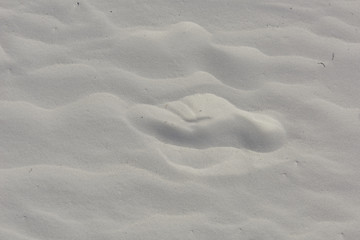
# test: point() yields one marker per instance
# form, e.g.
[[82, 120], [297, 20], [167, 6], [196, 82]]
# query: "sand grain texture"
[[179, 120]]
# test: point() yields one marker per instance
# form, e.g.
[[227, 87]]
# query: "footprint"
[[206, 120]]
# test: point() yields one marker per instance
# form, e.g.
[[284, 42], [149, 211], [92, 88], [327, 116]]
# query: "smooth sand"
[[179, 120]]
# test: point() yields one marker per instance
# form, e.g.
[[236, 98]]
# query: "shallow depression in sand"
[[206, 120]]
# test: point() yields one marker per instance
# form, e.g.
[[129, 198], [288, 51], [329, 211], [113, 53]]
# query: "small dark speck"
[[291, 8], [78, 3], [323, 64], [142, 117], [110, 11]]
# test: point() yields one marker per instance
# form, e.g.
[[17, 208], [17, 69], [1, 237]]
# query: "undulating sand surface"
[[179, 120]]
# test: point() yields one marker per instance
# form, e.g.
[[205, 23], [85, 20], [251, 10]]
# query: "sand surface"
[[179, 120]]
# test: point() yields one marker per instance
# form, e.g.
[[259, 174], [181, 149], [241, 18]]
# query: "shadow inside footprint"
[[206, 120]]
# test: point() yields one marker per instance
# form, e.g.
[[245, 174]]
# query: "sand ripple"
[[179, 120]]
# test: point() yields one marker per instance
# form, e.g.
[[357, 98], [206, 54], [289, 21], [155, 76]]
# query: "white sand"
[[179, 120]]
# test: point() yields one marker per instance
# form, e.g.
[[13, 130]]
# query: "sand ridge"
[[179, 119]]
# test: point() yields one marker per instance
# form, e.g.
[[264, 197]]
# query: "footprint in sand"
[[206, 120]]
